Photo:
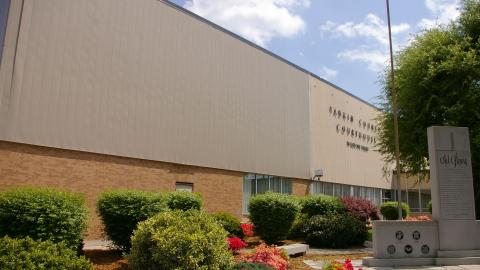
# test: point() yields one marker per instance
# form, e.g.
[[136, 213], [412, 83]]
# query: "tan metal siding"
[[142, 79], [341, 163]]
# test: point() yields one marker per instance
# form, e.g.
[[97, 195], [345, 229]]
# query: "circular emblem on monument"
[[416, 235], [425, 249], [408, 249], [399, 235], [391, 249]]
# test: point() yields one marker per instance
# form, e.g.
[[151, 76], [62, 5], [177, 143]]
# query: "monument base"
[[372, 262], [440, 261]]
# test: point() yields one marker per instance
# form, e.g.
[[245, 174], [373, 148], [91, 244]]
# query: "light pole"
[[395, 118]]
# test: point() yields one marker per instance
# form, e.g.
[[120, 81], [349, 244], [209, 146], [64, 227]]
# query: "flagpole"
[[395, 118]]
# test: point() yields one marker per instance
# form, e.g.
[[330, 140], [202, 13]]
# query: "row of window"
[[258, 183], [375, 195]]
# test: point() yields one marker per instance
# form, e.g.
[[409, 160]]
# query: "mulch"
[[107, 259], [113, 260]]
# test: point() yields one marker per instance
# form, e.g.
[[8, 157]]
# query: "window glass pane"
[[247, 191], [262, 183], [181, 186], [4, 7], [276, 184], [286, 186], [328, 189]]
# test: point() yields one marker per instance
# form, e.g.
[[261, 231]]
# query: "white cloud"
[[372, 27], [328, 73], [372, 34], [442, 11], [256, 20], [375, 59]]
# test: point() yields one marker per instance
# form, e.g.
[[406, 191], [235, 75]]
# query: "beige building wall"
[[90, 174], [345, 158], [143, 79]]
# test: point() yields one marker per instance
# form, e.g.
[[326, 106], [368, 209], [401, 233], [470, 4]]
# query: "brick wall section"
[[300, 187], [90, 174]]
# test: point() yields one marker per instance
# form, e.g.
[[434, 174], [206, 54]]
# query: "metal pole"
[[395, 117]]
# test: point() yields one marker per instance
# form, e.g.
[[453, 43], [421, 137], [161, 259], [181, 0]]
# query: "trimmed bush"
[[26, 253], [43, 214], [183, 240], [389, 210], [336, 231], [251, 266], [273, 215], [361, 208], [230, 223], [122, 210], [298, 228], [429, 205], [321, 205], [184, 200]]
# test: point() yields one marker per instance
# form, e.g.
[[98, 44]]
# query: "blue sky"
[[343, 41]]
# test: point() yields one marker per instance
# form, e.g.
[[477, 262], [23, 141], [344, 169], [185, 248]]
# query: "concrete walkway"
[[358, 263], [97, 245]]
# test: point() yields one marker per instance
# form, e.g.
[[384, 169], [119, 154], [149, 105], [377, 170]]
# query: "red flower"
[[272, 256], [247, 229], [235, 243]]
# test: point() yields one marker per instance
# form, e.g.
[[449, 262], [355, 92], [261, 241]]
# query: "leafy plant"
[[389, 210], [230, 223], [235, 243], [418, 218], [335, 231], [251, 266], [29, 254], [321, 205], [361, 208], [437, 84], [122, 210], [299, 226], [184, 200], [430, 206], [182, 240], [337, 265], [43, 214], [248, 229], [273, 215], [271, 256]]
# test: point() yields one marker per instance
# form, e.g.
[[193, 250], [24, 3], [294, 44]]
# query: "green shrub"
[[251, 266], [336, 231], [321, 205], [389, 210], [230, 223], [121, 210], [43, 214], [298, 228], [184, 200], [183, 240], [429, 205], [26, 253], [273, 215]]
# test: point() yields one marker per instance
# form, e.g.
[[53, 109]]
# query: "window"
[[258, 183], [183, 186], [375, 195], [4, 7]]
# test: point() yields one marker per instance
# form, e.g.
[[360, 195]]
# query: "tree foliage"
[[437, 78]]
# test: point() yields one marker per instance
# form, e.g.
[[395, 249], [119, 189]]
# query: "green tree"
[[437, 78]]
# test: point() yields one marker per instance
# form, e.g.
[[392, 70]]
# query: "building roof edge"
[[228, 32]]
